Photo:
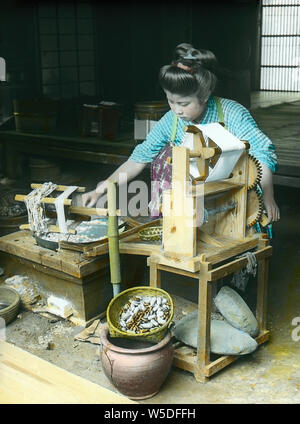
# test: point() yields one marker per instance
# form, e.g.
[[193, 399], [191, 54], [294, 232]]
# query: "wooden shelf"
[[185, 357], [217, 187]]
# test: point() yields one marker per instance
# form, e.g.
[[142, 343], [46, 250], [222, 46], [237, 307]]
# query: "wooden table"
[[85, 282]]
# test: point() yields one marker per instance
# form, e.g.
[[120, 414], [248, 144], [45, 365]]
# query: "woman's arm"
[[126, 172], [268, 193]]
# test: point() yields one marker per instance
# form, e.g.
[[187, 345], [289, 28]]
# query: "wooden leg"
[[204, 317], [155, 274], [262, 294], [262, 288]]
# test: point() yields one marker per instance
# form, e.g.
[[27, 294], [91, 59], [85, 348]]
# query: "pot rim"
[[104, 341], [14, 303]]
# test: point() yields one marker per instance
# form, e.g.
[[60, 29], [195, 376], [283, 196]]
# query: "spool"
[[146, 115]]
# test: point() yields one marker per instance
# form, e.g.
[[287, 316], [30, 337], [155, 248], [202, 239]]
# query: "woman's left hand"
[[272, 209]]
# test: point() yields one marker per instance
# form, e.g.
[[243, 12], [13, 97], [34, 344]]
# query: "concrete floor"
[[271, 375]]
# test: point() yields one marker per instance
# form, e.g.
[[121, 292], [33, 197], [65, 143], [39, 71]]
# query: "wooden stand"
[[198, 362], [209, 252]]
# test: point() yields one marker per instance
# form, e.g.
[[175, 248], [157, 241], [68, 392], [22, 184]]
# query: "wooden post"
[[262, 288], [204, 318], [155, 274]]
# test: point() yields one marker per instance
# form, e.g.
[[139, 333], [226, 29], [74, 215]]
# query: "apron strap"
[[219, 110], [174, 128]]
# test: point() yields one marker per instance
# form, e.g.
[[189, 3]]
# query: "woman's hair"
[[191, 72]]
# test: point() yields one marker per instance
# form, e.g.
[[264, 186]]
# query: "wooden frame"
[[199, 362], [209, 253]]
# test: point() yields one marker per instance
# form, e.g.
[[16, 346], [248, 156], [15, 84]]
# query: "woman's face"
[[187, 108]]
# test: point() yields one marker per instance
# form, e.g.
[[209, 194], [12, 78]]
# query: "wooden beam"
[[27, 379]]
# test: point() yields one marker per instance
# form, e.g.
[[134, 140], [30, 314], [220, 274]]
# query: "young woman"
[[189, 82]]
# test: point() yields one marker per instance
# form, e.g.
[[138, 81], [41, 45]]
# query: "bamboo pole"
[[49, 200], [59, 187], [113, 238]]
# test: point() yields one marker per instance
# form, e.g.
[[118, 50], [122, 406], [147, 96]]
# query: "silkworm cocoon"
[[154, 309], [128, 319], [152, 301], [153, 322], [161, 321], [158, 300], [136, 309], [160, 313], [146, 325], [126, 315]]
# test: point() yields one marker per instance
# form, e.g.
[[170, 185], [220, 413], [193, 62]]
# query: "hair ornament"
[[189, 57]]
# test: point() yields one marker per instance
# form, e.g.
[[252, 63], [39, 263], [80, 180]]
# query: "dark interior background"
[[132, 40]]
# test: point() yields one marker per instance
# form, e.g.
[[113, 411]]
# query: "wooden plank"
[[179, 229], [18, 244], [205, 237], [175, 270], [237, 264], [27, 379], [216, 187], [233, 249], [219, 364], [139, 248], [185, 358], [23, 245]]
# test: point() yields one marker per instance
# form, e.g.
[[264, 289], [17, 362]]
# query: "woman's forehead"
[[178, 97]]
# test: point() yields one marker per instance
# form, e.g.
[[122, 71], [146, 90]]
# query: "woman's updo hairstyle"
[[191, 72]]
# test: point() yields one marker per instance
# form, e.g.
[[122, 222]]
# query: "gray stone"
[[236, 311], [224, 339]]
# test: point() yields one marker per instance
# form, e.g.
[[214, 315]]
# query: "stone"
[[235, 310], [224, 339]]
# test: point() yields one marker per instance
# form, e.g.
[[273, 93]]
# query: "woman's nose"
[[177, 110]]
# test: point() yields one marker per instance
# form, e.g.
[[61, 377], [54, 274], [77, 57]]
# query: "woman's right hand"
[[90, 198]]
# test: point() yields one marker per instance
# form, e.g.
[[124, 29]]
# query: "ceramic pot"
[[136, 368]]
